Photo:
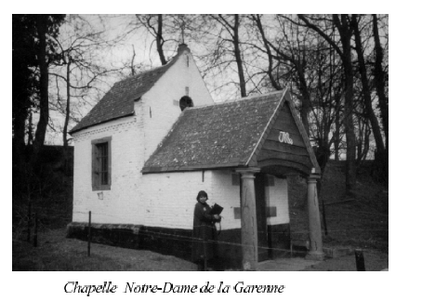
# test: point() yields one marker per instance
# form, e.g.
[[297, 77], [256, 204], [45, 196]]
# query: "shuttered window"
[[101, 164]]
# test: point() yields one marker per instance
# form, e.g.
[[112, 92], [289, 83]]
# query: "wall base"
[[178, 242]]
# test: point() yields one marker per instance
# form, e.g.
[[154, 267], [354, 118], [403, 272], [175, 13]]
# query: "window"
[[185, 102], [101, 164]]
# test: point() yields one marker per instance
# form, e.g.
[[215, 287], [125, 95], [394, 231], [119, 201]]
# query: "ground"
[[55, 252], [360, 221], [349, 223]]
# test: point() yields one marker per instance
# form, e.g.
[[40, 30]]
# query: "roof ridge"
[[237, 100], [168, 64], [260, 95]]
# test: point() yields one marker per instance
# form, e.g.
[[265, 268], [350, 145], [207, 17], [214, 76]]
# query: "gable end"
[[286, 144]]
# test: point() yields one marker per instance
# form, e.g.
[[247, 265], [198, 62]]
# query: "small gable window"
[[185, 102], [101, 164]]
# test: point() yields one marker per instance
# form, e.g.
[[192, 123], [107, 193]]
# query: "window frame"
[[97, 167]]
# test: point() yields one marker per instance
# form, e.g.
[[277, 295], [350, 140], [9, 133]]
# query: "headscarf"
[[202, 193]]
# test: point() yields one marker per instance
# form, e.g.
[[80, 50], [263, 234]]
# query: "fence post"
[[36, 230], [324, 220], [28, 237], [89, 234], [360, 260]]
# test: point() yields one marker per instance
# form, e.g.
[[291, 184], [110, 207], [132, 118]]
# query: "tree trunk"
[[273, 81], [42, 61], [345, 31], [337, 140], [306, 98], [298, 64], [238, 57], [350, 134], [18, 141], [160, 40], [380, 78], [22, 59], [67, 112], [345, 37], [366, 90]]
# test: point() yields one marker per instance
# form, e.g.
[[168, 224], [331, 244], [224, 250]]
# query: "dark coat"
[[204, 233]]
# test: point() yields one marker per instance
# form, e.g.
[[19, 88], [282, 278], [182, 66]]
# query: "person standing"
[[204, 232]]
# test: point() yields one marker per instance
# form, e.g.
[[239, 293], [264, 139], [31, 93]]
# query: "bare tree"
[[381, 80], [380, 76], [79, 72], [46, 26], [366, 85], [343, 26], [233, 30], [295, 57], [312, 69], [154, 25]]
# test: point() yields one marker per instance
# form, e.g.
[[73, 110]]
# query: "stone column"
[[249, 231], [315, 237]]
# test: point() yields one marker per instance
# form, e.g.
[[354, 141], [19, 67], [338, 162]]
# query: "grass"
[[57, 253], [358, 222]]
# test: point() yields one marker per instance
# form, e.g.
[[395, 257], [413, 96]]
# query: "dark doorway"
[[261, 216]]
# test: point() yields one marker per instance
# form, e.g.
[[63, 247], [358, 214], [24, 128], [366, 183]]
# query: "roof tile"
[[220, 135], [119, 100]]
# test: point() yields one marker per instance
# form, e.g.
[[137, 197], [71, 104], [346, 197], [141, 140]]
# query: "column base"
[[315, 256], [248, 266]]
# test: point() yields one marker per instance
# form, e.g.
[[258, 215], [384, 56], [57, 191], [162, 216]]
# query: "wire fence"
[[292, 242], [294, 247]]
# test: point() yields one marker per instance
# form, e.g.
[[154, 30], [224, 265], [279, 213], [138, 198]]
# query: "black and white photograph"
[[201, 154]]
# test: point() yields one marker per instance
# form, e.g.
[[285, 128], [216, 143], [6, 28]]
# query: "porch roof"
[[224, 135]]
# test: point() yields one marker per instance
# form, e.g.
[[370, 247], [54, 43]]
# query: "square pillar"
[[315, 237], [249, 231]]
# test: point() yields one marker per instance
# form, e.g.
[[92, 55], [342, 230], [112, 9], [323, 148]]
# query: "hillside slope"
[[359, 222]]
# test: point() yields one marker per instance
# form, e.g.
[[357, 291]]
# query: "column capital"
[[313, 178], [248, 170]]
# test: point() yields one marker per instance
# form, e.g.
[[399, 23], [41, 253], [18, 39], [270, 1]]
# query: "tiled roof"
[[119, 101], [216, 136]]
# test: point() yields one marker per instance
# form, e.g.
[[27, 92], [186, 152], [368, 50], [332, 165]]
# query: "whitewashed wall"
[[170, 198], [278, 197], [133, 140], [120, 204], [227, 195], [159, 108]]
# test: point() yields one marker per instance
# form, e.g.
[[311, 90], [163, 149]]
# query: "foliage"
[[26, 72]]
